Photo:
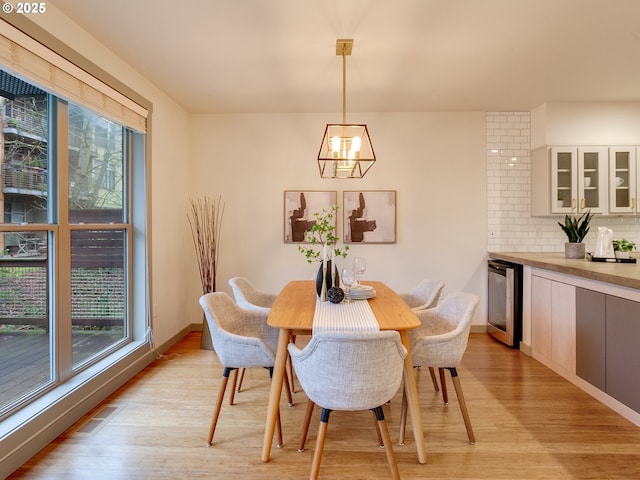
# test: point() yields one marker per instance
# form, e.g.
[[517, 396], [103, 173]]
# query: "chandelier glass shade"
[[346, 150]]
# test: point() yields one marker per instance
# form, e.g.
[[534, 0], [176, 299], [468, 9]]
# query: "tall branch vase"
[[205, 219]]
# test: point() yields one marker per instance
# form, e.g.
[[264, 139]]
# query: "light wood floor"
[[529, 424]]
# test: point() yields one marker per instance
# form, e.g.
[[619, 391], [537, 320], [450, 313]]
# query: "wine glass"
[[348, 277], [359, 267]]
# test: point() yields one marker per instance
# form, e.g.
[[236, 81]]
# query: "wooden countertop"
[[622, 274]]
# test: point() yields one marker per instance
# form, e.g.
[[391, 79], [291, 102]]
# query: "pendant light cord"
[[344, 85]]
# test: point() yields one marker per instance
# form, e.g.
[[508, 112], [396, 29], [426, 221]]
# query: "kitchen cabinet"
[[564, 179], [591, 337], [569, 180], [623, 180], [592, 179], [553, 322], [607, 333], [594, 308], [622, 353]]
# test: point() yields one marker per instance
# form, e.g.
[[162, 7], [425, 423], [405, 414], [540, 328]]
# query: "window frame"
[[29, 429]]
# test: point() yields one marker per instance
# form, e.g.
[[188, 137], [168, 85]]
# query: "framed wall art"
[[299, 207], [369, 216]]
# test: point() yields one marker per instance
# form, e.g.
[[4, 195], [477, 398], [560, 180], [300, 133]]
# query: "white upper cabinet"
[[623, 180], [579, 179], [570, 180], [564, 179], [593, 179]]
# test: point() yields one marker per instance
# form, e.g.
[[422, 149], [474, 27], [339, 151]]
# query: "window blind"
[[28, 59]]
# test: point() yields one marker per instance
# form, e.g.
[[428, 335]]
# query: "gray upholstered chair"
[[350, 371], [242, 339], [440, 342], [424, 295], [248, 296]]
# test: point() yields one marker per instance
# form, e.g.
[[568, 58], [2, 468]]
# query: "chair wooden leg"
[[305, 425], [216, 411], [322, 434], [292, 381], [279, 428], [278, 422], [288, 391], [291, 384], [242, 370], [403, 417], [434, 380], [234, 381], [386, 439], [379, 433], [443, 383], [463, 405]]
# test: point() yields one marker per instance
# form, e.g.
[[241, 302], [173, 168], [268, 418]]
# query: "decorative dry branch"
[[205, 219]]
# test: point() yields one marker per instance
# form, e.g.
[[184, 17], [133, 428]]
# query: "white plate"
[[362, 295], [361, 289]]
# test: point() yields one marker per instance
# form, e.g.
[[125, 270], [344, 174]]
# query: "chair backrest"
[[247, 296], [241, 338], [350, 370], [442, 337], [424, 295]]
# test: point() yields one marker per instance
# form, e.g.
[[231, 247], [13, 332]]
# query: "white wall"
[[435, 162]]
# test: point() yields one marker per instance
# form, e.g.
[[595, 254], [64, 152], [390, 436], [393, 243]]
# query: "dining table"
[[293, 313]]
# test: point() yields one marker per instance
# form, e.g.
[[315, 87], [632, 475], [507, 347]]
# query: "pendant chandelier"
[[346, 150]]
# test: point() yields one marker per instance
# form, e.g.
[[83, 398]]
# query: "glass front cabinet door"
[[579, 180], [623, 181], [564, 164], [593, 179]]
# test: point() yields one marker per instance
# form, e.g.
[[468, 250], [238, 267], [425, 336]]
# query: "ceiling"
[[278, 56]]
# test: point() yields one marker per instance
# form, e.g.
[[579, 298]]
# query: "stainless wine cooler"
[[505, 302]]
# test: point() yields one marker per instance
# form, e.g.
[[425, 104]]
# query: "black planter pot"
[[328, 280]]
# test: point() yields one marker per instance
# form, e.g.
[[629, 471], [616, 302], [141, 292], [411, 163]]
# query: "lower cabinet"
[[607, 340], [553, 321], [622, 352], [591, 337]]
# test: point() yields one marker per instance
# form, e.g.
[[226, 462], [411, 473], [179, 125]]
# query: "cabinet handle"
[[573, 204], [583, 204], [633, 203]]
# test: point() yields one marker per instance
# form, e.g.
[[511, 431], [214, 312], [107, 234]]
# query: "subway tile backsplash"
[[511, 228]]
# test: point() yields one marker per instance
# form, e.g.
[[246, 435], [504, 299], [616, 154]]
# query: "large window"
[[66, 250], [98, 228]]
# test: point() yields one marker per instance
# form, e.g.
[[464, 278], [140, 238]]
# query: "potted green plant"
[[576, 228], [322, 240], [623, 247]]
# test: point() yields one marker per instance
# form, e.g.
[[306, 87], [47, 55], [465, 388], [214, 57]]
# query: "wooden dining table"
[[293, 313]]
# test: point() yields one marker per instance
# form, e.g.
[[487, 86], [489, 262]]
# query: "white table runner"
[[344, 317]]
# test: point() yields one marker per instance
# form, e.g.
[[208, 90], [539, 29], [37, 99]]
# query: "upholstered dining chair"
[[242, 339], [350, 371], [425, 294], [440, 342], [250, 297]]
